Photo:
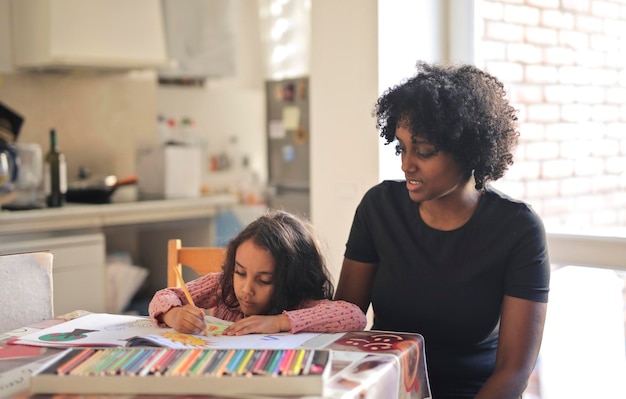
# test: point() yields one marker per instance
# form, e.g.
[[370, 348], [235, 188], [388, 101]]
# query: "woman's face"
[[430, 174], [253, 278]]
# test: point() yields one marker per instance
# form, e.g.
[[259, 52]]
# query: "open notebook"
[[103, 329]]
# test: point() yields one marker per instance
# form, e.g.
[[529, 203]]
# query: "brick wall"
[[563, 63]]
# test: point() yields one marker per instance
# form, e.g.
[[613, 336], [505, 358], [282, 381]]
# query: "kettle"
[[27, 182], [8, 166]]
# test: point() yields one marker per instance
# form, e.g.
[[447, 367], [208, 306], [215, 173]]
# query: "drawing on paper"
[[77, 333]]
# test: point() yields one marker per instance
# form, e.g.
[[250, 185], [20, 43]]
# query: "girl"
[[274, 279]]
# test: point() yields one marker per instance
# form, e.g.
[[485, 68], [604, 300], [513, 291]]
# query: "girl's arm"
[[204, 292], [521, 330], [314, 316], [347, 311], [326, 316]]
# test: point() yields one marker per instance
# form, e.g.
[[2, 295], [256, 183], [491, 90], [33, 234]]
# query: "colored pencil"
[[261, 362], [189, 361], [232, 366], [215, 362], [121, 359], [75, 361], [182, 284], [85, 366], [297, 364], [152, 362], [252, 362], [245, 359], [224, 363], [202, 362], [273, 367], [134, 365], [307, 362], [161, 365], [173, 362], [286, 361]]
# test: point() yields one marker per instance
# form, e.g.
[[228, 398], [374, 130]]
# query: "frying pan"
[[96, 191]]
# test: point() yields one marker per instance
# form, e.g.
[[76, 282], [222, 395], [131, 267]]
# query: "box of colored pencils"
[[185, 371]]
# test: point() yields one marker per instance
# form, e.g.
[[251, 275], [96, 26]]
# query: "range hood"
[[107, 35]]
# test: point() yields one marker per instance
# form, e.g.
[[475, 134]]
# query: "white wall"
[[344, 141], [228, 106]]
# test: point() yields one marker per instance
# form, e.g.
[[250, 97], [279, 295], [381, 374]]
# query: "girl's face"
[[253, 278], [430, 174]]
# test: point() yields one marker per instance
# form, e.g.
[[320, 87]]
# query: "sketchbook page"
[[94, 329], [103, 329], [176, 340]]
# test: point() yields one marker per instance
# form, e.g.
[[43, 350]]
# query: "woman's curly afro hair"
[[461, 110]]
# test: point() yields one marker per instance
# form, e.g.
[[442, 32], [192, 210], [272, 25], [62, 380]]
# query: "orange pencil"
[[182, 284], [75, 361]]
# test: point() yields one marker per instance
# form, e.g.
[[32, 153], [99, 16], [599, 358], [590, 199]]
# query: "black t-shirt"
[[448, 285]]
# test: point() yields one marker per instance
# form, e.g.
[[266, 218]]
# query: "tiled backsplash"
[[100, 118]]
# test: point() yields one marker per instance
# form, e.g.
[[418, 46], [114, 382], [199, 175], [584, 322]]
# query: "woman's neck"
[[453, 210]]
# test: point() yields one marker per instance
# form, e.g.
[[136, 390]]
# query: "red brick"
[[557, 19], [524, 53], [588, 166], [605, 9], [586, 23], [503, 31], [576, 112], [521, 15], [575, 40], [604, 148], [559, 94], [574, 74], [541, 74], [542, 150], [559, 56], [554, 168], [589, 95], [575, 149], [543, 113], [575, 185], [576, 5], [604, 113]]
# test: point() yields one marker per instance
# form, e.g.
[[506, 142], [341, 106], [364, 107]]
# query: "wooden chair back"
[[202, 260]]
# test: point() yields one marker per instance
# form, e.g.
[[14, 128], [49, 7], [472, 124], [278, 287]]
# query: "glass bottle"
[[55, 174]]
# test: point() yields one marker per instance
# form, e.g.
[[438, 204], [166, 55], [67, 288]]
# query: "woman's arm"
[[521, 330], [355, 283]]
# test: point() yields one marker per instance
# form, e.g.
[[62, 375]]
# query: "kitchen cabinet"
[[92, 34], [79, 237], [200, 37], [77, 272]]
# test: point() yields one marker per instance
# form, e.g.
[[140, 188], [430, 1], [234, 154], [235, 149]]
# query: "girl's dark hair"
[[300, 271], [461, 110]]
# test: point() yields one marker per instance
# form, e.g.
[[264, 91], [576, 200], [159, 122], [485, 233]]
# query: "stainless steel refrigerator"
[[288, 145]]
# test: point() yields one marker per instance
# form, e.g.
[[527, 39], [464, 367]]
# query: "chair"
[[202, 260], [25, 289]]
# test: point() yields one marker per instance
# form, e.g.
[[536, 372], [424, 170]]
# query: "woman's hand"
[[259, 325], [186, 319]]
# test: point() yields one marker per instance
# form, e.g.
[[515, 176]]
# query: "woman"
[[444, 255]]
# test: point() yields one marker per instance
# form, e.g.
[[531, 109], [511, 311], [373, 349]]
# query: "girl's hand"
[[186, 319], [259, 325]]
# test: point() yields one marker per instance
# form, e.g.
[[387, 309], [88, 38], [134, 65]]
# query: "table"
[[366, 365]]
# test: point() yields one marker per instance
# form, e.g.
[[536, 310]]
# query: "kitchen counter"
[[82, 216], [80, 236]]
